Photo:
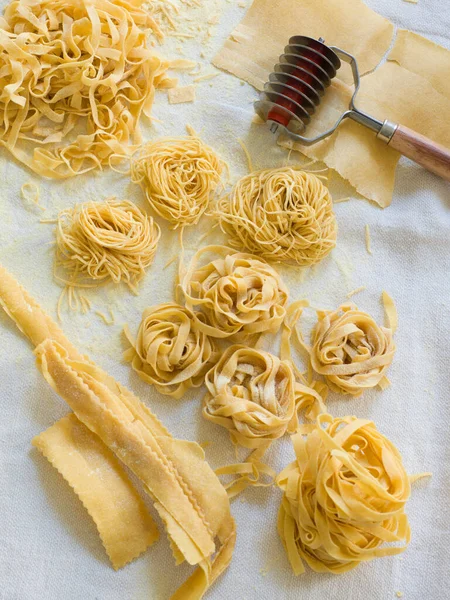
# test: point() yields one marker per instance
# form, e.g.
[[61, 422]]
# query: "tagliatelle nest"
[[252, 394], [76, 77], [169, 351], [99, 242], [344, 496], [351, 350], [284, 215], [179, 177], [235, 294]]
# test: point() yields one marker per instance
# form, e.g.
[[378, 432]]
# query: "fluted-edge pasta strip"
[[235, 294], [131, 430], [121, 517], [344, 496], [169, 351], [284, 215], [77, 63]]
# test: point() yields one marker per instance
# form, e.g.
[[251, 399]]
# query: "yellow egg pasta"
[[169, 351], [343, 497], [76, 77], [234, 295], [351, 350], [283, 215], [187, 495], [179, 177], [119, 513], [102, 242]]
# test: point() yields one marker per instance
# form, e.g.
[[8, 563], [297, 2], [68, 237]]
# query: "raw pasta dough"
[[179, 177], [238, 294], [71, 65], [348, 347], [186, 493], [344, 496], [170, 351], [99, 242], [284, 215], [420, 98], [121, 517]]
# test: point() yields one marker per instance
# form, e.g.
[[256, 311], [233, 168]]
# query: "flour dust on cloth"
[[418, 99], [187, 495]]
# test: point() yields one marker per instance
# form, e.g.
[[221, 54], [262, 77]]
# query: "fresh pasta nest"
[[99, 242], [284, 215], [179, 176], [252, 394], [169, 351], [351, 350], [76, 77], [344, 496], [235, 294]]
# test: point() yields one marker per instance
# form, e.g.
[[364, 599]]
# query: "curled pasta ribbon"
[[344, 496], [284, 215], [179, 176], [169, 351], [254, 395], [76, 77], [351, 350], [236, 294], [105, 241]]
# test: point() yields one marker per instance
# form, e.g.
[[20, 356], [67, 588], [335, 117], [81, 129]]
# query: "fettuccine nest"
[[344, 496], [179, 177], [76, 77], [235, 294], [100, 242], [284, 215], [169, 351], [252, 394], [351, 350]]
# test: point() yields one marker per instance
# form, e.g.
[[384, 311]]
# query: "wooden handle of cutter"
[[422, 150]]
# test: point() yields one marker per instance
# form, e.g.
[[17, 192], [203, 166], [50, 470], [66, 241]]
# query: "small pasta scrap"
[[344, 496], [351, 350], [170, 352], [236, 295], [100, 242], [284, 215], [76, 77], [179, 177]]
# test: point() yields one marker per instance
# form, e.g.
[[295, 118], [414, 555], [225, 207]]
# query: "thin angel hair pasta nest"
[[234, 295], [344, 496], [100, 242], [179, 177], [169, 351], [75, 76], [351, 350], [284, 215]]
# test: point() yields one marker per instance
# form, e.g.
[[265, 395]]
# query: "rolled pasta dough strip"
[[98, 479], [195, 500]]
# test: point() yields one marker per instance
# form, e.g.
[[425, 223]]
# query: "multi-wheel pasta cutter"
[[297, 85]]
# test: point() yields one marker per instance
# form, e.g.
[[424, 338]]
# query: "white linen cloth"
[[49, 547]]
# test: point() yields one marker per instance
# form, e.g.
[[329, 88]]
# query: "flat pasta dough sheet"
[[99, 480], [254, 46], [417, 100]]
